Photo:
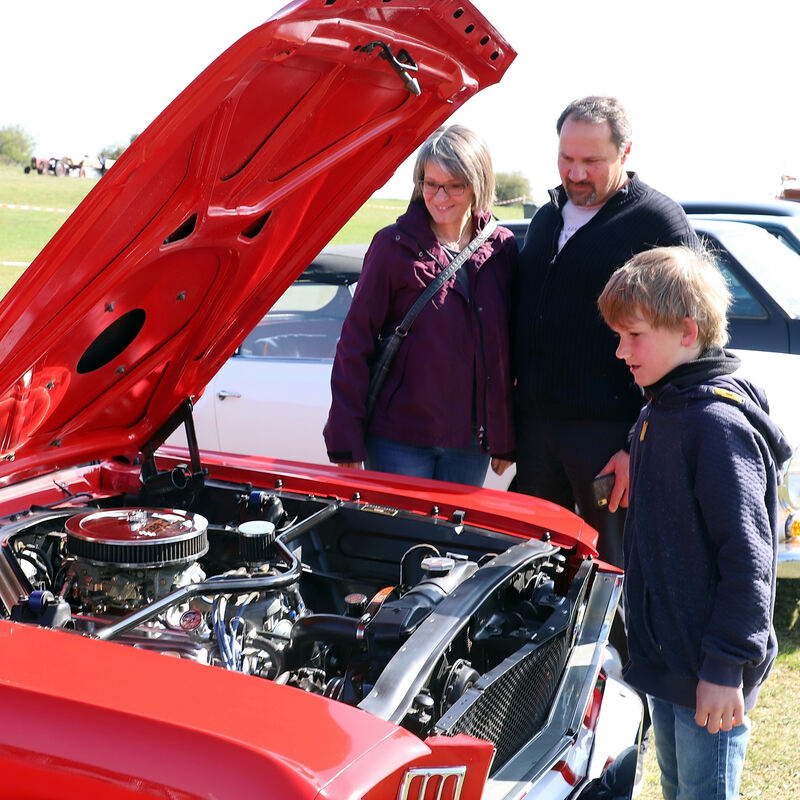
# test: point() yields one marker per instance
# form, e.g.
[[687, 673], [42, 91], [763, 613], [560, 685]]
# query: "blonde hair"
[[465, 155], [666, 284]]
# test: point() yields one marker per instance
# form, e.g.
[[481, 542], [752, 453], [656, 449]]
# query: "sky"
[[711, 85]]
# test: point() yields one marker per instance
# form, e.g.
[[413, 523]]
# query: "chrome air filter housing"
[[137, 537]]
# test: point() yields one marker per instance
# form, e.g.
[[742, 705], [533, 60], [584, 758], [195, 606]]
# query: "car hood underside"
[[213, 210]]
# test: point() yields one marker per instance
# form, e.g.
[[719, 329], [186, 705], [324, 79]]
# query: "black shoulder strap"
[[445, 275]]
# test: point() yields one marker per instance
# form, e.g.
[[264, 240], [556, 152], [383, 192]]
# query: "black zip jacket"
[[564, 353]]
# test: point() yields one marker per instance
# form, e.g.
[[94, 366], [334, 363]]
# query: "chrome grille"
[[509, 705]]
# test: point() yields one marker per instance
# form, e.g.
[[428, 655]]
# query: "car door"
[[272, 406], [273, 396]]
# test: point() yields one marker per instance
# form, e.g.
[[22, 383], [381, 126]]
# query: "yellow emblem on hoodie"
[[728, 395]]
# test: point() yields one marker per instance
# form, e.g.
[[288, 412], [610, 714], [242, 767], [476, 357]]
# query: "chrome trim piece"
[[426, 774]]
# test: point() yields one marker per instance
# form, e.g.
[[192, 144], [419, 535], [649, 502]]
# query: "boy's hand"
[[719, 708], [619, 465]]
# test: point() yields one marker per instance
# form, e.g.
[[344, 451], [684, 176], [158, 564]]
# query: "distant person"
[[701, 530], [575, 402], [445, 408]]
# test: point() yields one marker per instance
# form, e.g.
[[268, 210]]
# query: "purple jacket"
[[455, 357]]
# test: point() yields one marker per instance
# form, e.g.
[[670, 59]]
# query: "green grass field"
[[773, 760], [25, 231]]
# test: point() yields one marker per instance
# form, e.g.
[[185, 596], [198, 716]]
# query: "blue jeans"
[[467, 465], [696, 764]]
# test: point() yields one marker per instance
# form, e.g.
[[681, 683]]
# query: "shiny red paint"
[[459, 750], [84, 714], [120, 722], [214, 209], [507, 512]]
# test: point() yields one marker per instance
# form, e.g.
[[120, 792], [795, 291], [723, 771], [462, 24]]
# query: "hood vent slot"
[[255, 227], [184, 230]]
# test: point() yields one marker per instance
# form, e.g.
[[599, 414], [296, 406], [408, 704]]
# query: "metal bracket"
[[402, 64]]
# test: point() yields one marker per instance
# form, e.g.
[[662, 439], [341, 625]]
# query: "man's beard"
[[581, 199]]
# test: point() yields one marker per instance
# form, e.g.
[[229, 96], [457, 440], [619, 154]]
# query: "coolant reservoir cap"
[[436, 566]]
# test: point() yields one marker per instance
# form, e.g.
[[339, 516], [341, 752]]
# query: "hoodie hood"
[[711, 378]]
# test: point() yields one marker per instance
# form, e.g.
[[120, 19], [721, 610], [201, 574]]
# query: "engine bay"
[[400, 613]]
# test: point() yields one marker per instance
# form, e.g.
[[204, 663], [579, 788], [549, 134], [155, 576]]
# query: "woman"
[[445, 407]]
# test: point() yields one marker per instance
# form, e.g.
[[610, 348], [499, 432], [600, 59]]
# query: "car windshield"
[[304, 324], [774, 266]]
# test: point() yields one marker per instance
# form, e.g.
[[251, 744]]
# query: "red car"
[[178, 624]]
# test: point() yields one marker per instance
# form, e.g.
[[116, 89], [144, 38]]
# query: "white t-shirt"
[[574, 217]]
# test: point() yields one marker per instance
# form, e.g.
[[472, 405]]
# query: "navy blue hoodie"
[[701, 533]]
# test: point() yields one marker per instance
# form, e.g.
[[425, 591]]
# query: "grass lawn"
[[773, 760], [24, 232]]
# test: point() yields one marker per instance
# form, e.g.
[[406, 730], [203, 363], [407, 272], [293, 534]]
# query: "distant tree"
[[511, 185], [113, 151], [16, 145]]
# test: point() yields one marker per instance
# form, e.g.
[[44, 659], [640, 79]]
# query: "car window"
[[305, 323], [769, 263], [743, 303]]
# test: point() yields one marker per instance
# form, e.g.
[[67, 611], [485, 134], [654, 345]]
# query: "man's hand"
[[719, 708], [351, 464], [500, 465], [619, 465]]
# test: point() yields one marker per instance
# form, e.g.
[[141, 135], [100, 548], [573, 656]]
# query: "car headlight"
[[789, 494], [789, 486]]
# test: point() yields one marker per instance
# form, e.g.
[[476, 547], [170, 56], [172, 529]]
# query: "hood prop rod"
[[150, 477], [402, 64]]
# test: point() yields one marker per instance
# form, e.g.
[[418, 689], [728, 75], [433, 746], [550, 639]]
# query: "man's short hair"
[[600, 109], [667, 284], [465, 155]]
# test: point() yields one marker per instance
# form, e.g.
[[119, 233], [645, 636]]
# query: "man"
[[575, 401]]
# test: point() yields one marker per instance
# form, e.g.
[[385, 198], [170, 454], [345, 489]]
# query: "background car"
[[775, 208], [786, 229], [273, 395]]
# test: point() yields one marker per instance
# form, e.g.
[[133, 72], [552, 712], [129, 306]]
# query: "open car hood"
[[213, 210]]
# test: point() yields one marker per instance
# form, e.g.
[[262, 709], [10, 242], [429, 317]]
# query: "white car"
[[273, 395]]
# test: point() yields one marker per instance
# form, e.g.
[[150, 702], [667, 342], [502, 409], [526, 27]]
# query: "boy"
[[700, 536]]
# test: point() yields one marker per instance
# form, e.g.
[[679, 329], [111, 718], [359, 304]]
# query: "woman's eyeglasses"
[[450, 189]]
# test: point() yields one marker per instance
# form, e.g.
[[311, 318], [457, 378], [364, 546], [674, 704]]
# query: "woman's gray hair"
[[465, 155], [600, 109]]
